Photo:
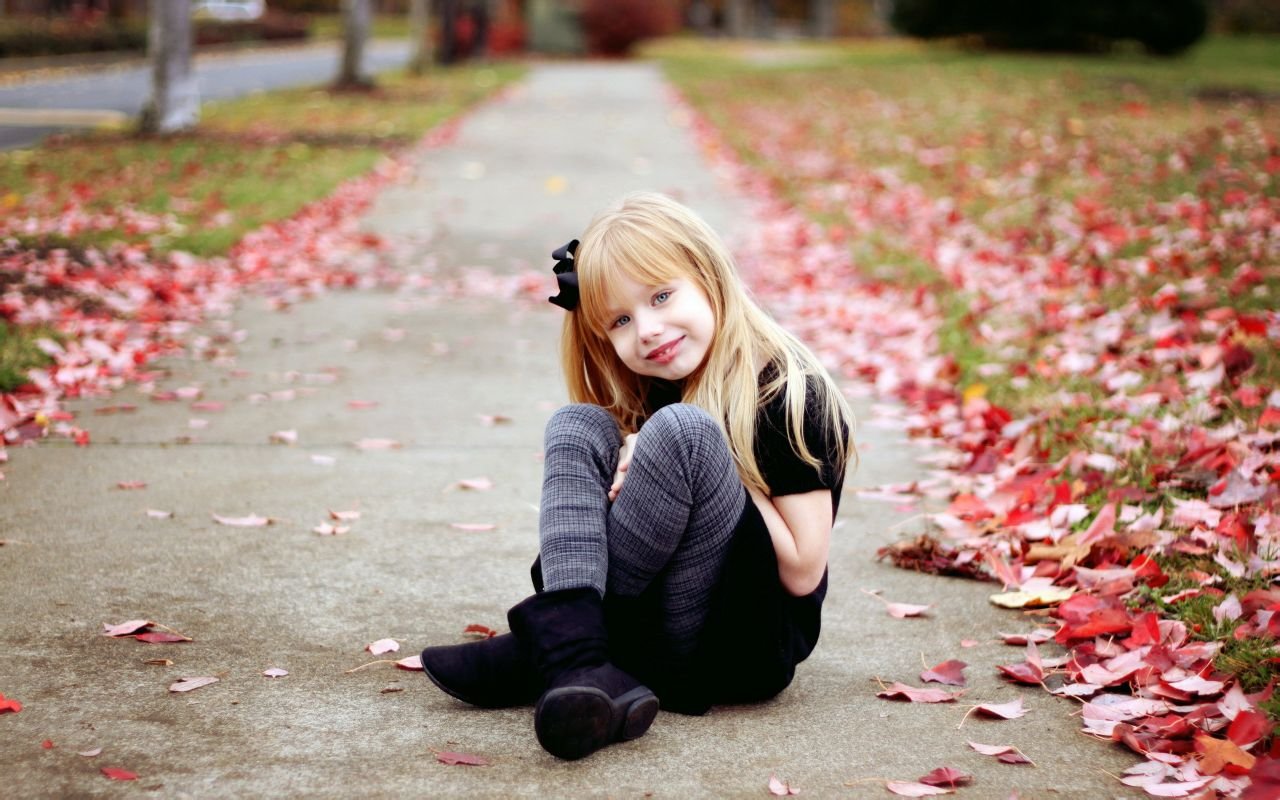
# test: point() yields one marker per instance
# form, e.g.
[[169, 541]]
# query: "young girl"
[[687, 498]]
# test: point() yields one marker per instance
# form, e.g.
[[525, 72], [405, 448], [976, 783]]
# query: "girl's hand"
[[624, 461]]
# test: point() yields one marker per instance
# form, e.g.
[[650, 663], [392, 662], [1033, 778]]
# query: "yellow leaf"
[[1217, 754], [556, 184], [1039, 597]]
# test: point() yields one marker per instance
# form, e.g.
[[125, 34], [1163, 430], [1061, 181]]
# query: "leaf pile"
[[1083, 324]]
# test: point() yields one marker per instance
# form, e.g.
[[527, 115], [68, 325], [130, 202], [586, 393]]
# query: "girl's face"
[[663, 331]]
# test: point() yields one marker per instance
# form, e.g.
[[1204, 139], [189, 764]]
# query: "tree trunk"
[[175, 97], [356, 17], [764, 15], [738, 18], [419, 36], [823, 15]]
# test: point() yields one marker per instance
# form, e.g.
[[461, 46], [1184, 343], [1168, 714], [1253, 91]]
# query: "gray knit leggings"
[[672, 521]]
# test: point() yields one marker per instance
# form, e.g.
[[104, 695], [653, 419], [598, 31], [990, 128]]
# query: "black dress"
[[757, 632]]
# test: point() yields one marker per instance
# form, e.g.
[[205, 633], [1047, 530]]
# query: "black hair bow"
[[566, 277]]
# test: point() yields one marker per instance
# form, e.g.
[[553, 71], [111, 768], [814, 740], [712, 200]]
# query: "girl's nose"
[[650, 327]]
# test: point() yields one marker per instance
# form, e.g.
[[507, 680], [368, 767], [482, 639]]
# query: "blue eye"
[[620, 321], [661, 297]]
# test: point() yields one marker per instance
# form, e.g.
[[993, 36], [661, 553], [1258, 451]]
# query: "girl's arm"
[[800, 526]]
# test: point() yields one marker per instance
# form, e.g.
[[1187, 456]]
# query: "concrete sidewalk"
[[523, 176]]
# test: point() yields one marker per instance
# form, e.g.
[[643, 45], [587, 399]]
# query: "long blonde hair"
[[652, 239]]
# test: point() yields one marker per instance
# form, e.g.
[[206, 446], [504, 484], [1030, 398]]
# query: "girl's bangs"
[[641, 260]]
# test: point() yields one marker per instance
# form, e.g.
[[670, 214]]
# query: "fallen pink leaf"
[[911, 789], [475, 527], [410, 663], [780, 789], [383, 646], [1006, 753], [126, 628], [460, 759], [131, 485], [190, 684], [327, 529], [344, 516], [899, 610], [284, 437], [377, 444], [489, 420], [251, 521], [473, 484], [1010, 710], [97, 751], [275, 672], [362, 405], [155, 513]]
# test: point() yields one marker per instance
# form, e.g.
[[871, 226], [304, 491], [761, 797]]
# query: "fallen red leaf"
[[1264, 780], [484, 631], [948, 672], [461, 759], [1248, 727], [47, 744], [947, 776], [117, 774], [160, 637], [900, 691], [9, 705]]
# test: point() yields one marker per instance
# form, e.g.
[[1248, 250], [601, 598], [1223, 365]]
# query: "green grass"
[[250, 162], [385, 26], [19, 353]]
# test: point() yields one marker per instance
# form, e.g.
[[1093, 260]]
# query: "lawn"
[[251, 162]]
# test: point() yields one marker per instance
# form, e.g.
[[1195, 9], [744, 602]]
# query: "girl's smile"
[[662, 331]]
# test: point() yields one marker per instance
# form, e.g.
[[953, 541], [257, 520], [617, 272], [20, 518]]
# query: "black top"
[[757, 631]]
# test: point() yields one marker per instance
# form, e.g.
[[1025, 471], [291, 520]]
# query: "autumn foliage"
[[1072, 297]]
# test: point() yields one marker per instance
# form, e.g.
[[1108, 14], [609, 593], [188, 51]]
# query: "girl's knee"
[[682, 421], [583, 421]]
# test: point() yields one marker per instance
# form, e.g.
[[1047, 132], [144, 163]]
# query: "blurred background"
[[611, 27]]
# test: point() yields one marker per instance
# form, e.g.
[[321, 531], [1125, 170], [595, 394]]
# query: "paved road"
[[286, 597], [124, 89]]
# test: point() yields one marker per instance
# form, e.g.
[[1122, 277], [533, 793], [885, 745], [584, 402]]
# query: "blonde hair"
[[652, 239]]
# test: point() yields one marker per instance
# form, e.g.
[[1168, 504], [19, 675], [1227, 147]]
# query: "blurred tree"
[[823, 16], [419, 36], [1164, 27], [356, 16], [175, 97]]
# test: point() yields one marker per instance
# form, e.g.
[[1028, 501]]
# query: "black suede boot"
[[588, 703], [492, 673]]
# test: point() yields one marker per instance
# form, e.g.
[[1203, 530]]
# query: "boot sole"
[[575, 721]]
